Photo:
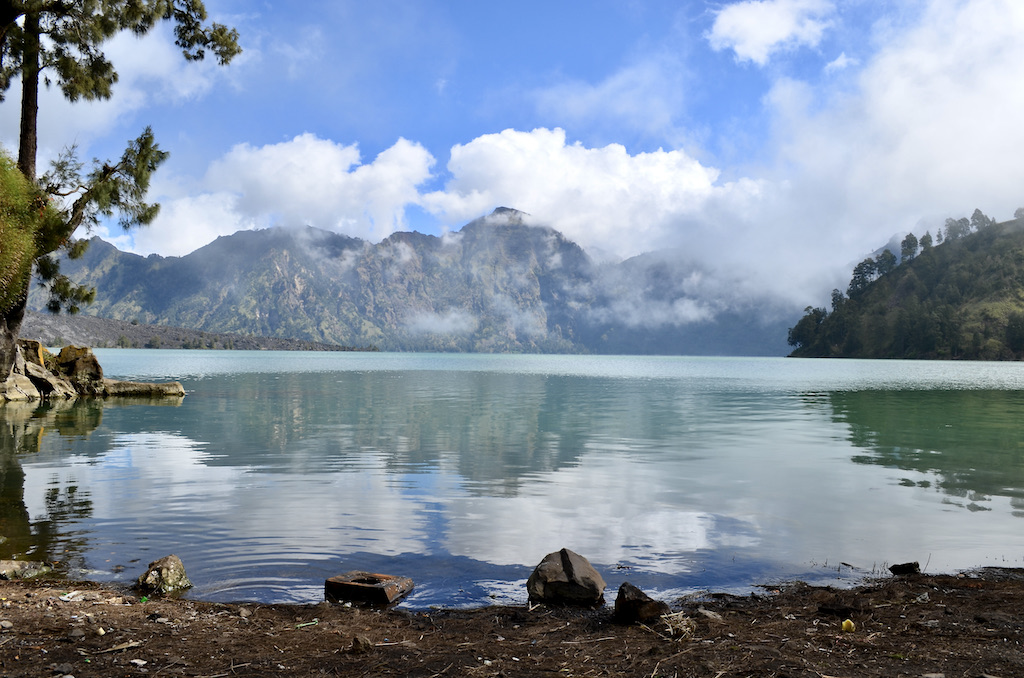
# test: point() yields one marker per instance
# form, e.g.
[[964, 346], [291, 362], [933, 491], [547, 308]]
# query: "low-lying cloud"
[[454, 321]]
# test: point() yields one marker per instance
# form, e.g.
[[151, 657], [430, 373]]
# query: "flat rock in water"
[[112, 387], [366, 587], [566, 578]]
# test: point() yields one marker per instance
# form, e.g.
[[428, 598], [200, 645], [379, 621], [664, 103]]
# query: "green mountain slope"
[[962, 299], [497, 285]]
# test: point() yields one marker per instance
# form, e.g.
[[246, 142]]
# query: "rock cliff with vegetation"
[[957, 295]]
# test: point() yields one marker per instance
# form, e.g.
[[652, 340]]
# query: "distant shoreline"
[[95, 332]]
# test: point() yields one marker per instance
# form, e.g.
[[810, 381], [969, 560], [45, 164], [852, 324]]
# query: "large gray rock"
[[566, 578], [164, 576], [33, 351], [49, 384], [18, 387], [80, 366]]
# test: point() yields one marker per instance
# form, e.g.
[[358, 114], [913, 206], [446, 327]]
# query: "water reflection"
[[267, 483], [494, 430], [23, 427], [966, 444]]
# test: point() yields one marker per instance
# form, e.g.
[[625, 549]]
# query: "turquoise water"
[[278, 470]]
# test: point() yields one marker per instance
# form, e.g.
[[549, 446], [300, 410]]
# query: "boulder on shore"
[[164, 576], [566, 578], [22, 569], [633, 606]]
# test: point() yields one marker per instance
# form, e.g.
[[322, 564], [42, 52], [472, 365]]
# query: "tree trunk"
[[10, 326], [29, 98], [10, 320]]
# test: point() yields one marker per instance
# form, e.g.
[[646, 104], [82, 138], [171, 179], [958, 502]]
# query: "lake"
[[280, 469]]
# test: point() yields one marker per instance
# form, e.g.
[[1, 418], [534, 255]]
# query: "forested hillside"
[[959, 297]]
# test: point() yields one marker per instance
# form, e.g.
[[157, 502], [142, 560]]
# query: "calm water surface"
[[278, 470]]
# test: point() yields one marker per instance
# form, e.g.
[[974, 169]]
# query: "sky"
[[773, 142]]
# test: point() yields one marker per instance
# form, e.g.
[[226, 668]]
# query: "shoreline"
[[916, 625]]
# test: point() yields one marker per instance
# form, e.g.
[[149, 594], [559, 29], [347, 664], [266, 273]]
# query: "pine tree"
[[60, 41]]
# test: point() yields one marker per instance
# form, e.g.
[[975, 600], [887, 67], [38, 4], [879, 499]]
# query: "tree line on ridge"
[[957, 295]]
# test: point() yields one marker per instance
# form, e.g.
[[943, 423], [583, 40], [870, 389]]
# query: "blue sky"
[[774, 142]]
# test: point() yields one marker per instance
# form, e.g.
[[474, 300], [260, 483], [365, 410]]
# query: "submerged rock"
[[566, 578], [164, 576]]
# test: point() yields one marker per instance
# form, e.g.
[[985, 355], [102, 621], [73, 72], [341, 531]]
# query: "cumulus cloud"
[[189, 222], [756, 29], [307, 181], [927, 129], [603, 198]]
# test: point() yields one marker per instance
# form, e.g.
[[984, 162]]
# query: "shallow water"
[[278, 470]]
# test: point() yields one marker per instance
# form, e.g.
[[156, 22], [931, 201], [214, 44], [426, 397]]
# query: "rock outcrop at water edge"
[[40, 375]]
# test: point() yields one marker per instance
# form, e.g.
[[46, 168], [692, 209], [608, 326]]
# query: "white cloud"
[[189, 222], [151, 71], [304, 181], [646, 97], [841, 62], [602, 198], [929, 129], [755, 29]]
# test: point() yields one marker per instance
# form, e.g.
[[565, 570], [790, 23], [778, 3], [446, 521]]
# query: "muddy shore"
[[922, 625]]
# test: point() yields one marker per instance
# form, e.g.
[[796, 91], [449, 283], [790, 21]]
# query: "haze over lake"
[[278, 470]]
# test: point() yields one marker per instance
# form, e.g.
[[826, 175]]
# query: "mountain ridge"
[[499, 284]]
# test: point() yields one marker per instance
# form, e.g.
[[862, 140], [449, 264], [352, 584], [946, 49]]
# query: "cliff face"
[[498, 284]]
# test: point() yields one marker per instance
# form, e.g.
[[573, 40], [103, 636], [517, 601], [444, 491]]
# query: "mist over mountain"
[[500, 284]]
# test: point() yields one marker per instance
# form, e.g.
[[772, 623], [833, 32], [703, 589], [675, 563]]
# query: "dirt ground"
[[922, 625]]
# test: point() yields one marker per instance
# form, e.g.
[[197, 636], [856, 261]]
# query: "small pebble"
[[244, 612], [5, 624]]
